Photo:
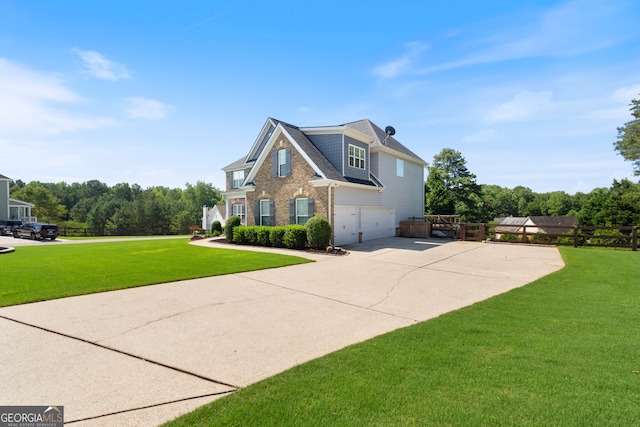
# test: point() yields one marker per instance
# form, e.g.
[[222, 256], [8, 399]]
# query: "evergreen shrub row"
[[316, 234]]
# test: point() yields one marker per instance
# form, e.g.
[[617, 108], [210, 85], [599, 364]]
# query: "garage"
[[345, 226], [377, 222], [373, 222]]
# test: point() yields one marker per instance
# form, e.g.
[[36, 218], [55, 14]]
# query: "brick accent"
[[282, 189]]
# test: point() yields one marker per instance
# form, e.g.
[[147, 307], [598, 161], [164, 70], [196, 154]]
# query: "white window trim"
[[282, 161], [306, 203], [357, 159], [262, 214], [237, 182], [239, 207], [400, 167]]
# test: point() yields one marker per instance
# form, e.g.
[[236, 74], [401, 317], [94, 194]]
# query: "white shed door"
[[377, 222], [345, 226]]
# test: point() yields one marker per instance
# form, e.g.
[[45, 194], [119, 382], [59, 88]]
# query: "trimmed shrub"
[[318, 232], [239, 235], [263, 238], [216, 228], [251, 237], [231, 223], [295, 237], [276, 236]]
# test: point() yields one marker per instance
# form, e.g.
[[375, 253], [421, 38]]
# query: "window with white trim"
[[302, 211], [356, 157], [399, 167], [239, 210], [265, 212], [282, 163], [238, 179]]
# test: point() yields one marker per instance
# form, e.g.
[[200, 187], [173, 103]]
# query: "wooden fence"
[[618, 237]]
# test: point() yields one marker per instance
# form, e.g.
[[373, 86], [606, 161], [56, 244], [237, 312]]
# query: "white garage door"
[[345, 225], [377, 222]]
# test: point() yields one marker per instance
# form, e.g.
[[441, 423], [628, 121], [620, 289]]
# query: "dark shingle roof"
[[312, 151], [369, 128]]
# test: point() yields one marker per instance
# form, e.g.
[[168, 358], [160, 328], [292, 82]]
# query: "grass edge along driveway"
[[39, 273], [561, 351]]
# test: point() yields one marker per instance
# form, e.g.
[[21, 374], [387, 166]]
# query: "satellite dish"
[[389, 130]]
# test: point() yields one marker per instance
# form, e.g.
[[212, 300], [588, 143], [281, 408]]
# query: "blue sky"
[[167, 92]]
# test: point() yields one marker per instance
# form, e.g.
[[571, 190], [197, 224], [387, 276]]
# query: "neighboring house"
[[216, 213], [551, 225], [356, 175], [13, 208]]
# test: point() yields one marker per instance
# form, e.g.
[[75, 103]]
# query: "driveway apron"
[[143, 356]]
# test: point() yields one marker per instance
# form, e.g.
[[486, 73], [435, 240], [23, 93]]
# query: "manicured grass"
[[562, 351], [37, 273]]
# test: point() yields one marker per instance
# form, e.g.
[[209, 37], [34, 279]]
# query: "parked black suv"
[[7, 225], [37, 230]]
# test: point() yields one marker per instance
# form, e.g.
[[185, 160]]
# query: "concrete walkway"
[[143, 356]]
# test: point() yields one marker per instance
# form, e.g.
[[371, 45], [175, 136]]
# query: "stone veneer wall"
[[282, 189]]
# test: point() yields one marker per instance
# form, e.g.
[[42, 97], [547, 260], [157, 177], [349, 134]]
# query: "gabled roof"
[[366, 126], [5, 177], [363, 129]]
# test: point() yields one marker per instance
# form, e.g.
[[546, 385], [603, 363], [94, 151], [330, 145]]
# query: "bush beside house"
[[316, 234]]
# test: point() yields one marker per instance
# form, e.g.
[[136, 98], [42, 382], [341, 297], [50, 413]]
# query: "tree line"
[[108, 209], [451, 189]]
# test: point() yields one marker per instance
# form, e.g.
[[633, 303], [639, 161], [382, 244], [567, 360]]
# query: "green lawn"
[[562, 351], [37, 273]]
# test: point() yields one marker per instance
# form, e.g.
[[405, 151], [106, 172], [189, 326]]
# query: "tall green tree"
[[459, 182], [47, 206], [438, 199], [628, 142]]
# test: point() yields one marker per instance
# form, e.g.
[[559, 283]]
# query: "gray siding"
[[356, 172], [405, 193], [350, 196], [4, 199], [256, 153], [330, 146]]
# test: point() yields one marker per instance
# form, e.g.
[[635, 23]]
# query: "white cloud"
[[102, 68], [32, 104], [571, 28], [524, 105], [485, 135], [627, 93], [144, 108], [400, 65]]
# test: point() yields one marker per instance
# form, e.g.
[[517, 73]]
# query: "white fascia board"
[[235, 194], [319, 130], [344, 130], [356, 134], [269, 145], [268, 123], [334, 183], [243, 166], [398, 154]]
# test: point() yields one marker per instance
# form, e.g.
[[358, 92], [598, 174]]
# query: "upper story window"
[[399, 167], [238, 179], [356, 157], [281, 163]]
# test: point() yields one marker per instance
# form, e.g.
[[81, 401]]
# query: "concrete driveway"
[[146, 355]]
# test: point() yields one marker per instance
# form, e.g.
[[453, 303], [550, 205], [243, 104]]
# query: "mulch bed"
[[337, 251]]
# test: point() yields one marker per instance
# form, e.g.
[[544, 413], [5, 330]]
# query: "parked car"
[[37, 230], [7, 225]]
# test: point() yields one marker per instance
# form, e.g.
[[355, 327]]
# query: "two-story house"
[[356, 175]]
